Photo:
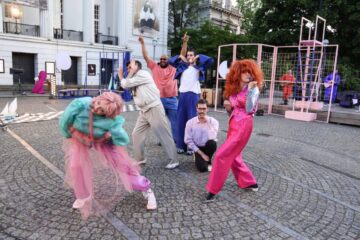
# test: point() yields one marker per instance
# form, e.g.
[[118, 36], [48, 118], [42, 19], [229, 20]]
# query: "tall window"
[[8, 10], [61, 14], [96, 22]]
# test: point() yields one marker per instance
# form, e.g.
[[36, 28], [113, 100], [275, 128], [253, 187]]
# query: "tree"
[[248, 9], [207, 38], [278, 23], [182, 14]]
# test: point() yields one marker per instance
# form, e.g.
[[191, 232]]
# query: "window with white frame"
[[96, 22]]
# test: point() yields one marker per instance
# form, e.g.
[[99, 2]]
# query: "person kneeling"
[[200, 135]]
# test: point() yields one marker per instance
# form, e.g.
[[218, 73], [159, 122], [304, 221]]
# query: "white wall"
[[30, 15], [46, 50], [73, 15], [57, 13]]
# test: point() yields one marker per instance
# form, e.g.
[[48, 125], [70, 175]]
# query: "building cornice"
[[67, 43], [219, 8]]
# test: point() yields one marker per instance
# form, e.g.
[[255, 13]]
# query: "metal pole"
[[154, 51]]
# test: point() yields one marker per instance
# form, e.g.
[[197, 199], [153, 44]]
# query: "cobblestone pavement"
[[309, 177]]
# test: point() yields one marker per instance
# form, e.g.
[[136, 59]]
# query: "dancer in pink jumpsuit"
[[242, 91]]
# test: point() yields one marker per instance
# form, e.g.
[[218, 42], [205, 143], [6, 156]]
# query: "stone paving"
[[309, 177]]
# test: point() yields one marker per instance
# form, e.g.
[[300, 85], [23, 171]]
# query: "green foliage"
[[182, 14], [278, 23], [207, 38], [247, 9], [350, 78]]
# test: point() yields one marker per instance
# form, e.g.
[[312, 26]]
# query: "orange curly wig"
[[234, 84]]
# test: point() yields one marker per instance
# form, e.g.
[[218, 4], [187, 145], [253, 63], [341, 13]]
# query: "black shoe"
[[253, 187], [210, 197], [189, 152]]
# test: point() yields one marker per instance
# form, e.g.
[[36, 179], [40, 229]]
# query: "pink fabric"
[[229, 155], [164, 79], [104, 172], [39, 85]]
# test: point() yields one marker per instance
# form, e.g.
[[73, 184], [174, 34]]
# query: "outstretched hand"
[[141, 40], [252, 84], [185, 37], [227, 106]]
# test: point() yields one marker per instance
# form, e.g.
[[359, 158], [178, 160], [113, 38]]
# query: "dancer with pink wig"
[[242, 86], [97, 165]]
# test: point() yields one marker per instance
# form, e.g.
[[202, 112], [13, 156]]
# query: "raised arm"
[[143, 49], [184, 45]]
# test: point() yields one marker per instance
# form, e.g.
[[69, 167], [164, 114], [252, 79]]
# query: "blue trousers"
[[171, 115], [186, 110]]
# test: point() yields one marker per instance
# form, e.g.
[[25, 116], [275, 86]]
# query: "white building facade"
[[221, 13], [93, 33]]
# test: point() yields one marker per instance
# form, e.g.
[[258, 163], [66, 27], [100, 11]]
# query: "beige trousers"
[[156, 120]]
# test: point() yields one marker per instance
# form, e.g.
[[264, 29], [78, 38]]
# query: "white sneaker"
[[172, 164], [150, 196], [79, 203], [209, 168], [142, 161]]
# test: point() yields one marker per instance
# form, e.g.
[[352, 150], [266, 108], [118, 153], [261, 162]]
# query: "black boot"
[[210, 197], [285, 102]]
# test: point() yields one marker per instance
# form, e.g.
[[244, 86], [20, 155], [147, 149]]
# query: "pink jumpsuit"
[[229, 155]]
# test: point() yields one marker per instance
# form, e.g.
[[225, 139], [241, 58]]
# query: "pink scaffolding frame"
[[309, 44]]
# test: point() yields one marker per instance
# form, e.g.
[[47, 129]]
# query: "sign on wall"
[[91, 69], [146, 18], [2, 66]]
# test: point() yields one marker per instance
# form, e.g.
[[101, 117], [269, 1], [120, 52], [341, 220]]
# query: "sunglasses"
[[161, 59]]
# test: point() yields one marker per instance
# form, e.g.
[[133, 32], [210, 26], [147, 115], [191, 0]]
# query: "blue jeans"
[[170, 106]]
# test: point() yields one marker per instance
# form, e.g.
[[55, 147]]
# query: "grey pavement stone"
[[308, 175]]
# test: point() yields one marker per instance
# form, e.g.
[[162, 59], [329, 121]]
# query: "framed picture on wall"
[[146, 18], [91, 69], [50, 68], [2, 66]]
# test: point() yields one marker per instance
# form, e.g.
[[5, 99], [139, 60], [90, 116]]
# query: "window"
[[96, 22], [61, 14], [8, 10]]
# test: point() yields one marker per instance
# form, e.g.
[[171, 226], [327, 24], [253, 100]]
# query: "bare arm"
[[184, 45], [143, 49]]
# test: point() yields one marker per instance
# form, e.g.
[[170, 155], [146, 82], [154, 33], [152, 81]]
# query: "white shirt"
[[189, 81], [198, 133]]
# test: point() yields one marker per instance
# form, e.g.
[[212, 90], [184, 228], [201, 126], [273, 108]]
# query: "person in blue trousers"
[[190, 70]]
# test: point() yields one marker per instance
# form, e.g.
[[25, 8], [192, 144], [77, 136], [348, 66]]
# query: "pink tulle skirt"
[[102, 173]]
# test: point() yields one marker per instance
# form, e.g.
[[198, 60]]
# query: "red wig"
[[234, 84]]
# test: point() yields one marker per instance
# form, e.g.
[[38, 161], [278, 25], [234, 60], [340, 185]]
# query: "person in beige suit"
[[152, 114]]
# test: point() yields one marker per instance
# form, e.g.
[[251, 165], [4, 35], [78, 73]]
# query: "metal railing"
[[68, 34], [22, 29], [106, 39]]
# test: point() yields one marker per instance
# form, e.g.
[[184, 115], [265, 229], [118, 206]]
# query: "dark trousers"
[[186, 111], [209, 149]]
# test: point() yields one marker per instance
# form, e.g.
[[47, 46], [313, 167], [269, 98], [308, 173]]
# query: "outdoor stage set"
[[312, 87]]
